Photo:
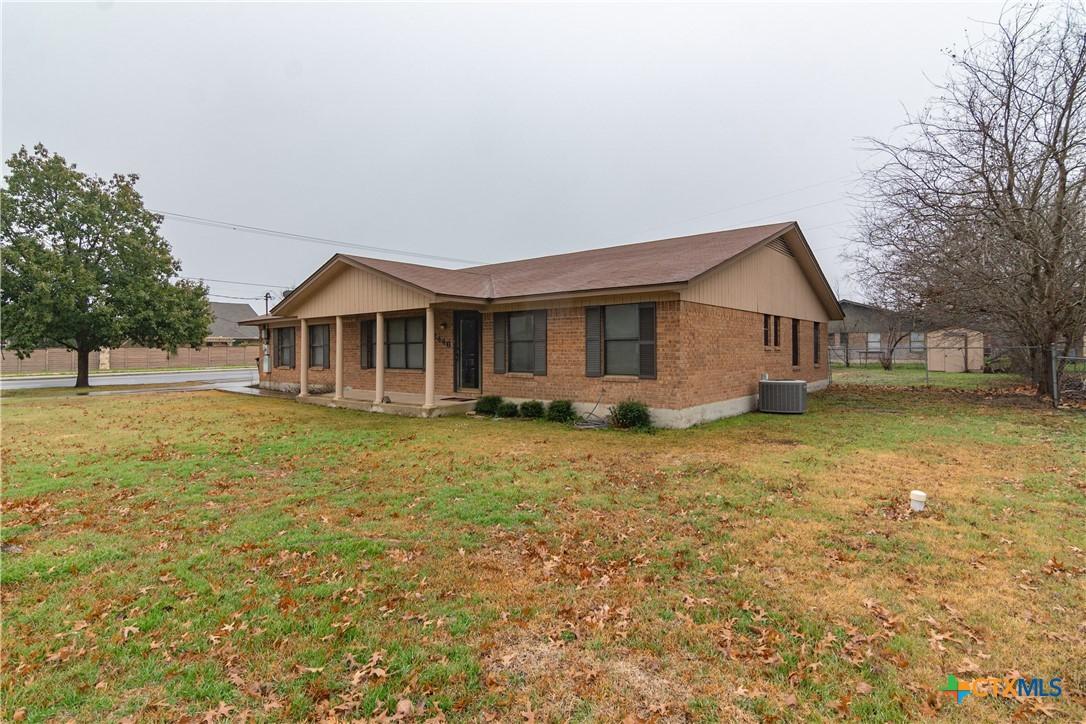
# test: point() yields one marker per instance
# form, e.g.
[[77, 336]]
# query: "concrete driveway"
[[244, 376]]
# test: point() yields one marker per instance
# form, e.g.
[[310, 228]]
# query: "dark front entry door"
[[469, 333]]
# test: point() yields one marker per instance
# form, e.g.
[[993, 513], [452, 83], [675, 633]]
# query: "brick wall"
[[703, 354], [723, 355], [565, 378]]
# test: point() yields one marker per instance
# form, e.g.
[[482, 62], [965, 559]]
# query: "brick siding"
[[703, 354]]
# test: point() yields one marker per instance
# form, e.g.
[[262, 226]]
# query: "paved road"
[[233, 377]]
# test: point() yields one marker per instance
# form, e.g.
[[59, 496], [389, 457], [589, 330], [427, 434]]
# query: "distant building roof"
[[227, 318]]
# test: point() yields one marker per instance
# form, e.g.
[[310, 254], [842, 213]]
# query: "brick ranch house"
[[685, 325]]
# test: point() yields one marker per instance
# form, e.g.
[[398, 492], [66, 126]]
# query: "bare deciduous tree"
[[975, 217]]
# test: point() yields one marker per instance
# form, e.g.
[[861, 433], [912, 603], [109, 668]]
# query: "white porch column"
[[339, 358], [430, 331], [303, 359], [379, 359]]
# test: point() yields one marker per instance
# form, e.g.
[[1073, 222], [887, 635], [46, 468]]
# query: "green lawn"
[[913, 375], [216, 556]]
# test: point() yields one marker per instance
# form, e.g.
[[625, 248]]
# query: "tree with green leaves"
[[85, 267]]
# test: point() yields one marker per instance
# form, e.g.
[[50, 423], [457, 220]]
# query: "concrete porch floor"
[[407, 404]]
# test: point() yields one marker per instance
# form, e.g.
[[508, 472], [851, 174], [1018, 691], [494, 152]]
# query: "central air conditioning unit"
[[785, 396]]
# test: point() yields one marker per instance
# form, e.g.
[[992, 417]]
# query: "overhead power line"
[[227, 296], [789, 192], [234, 281], [216, 223]]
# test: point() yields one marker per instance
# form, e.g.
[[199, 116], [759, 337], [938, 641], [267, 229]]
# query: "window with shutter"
[[284, 348], [405, 343], [521, 341], [319, 346], [620, 339]]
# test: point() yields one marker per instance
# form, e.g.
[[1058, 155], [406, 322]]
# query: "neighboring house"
[[226, 328], [685, 325], [867, 333]]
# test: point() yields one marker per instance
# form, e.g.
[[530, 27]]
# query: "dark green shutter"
[[540, 351], [795, 342], [593, 342], [501, 345], [647, 349], [367, 343]]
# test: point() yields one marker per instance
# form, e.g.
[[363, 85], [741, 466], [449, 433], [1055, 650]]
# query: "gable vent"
[[781, 246]]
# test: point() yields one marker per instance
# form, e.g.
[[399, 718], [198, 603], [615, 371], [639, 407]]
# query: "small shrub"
[[631, 414], [488, 405], [561, 411], [531, 408], [507, 409]]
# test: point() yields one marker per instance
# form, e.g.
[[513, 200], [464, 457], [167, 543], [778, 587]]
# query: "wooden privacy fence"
[[58, 359]]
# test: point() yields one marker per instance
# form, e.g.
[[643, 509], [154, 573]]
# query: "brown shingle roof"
[[667, 261], [452, 282], [649, 263]]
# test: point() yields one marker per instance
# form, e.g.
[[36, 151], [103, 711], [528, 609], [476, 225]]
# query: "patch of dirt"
[[617, 684]]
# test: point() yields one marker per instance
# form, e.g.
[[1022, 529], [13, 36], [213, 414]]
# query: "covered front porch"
[[421, 362], [406, 404], [375, 335]]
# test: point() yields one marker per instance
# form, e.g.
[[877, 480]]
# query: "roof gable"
[[769, 280], [345, 283]]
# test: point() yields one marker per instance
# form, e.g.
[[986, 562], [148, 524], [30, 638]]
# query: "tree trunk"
[[1045, 383], [82, 375]]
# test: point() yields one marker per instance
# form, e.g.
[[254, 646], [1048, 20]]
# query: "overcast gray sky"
[[482, 132]]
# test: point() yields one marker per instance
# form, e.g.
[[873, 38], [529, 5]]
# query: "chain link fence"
[[1069, 372]]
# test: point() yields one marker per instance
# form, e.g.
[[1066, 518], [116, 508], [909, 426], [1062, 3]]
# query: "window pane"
[[521, 357], [621, 357], [396, 330], [416, 353], [397, 355], [521, 328], [620, 322], [416, 329]]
